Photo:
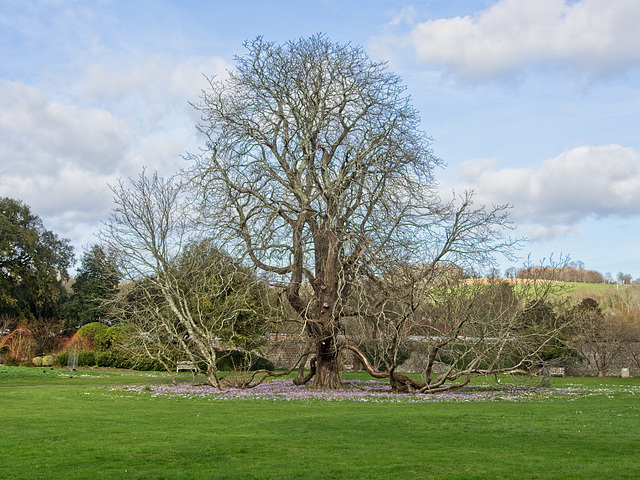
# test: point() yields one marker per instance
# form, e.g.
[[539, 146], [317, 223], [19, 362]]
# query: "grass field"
[[96, 429], [46, 376], [599, 290]]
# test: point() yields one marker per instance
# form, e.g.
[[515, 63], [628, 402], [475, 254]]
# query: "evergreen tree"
[[97, 281]]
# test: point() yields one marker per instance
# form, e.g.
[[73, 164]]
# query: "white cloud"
[[154, 95], [39, 135], [155, 76], [597, 37], [407, 15], [57, 158], [551, 199], [60, 156], [71, 202], [69, 189]]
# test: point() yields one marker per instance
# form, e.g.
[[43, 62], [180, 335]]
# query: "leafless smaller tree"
[[47, 333], [599, 337], [184, 296], [458, 327]]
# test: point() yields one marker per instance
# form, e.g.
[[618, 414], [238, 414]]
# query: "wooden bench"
[[186, 367], [556, 371]]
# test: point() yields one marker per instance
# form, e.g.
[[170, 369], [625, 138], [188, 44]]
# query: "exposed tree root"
[[255, 378], [403, 384], [303, 380]]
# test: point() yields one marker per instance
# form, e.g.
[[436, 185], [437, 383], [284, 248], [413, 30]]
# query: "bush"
[[37, 361], [97, 334], [121, 362], [112, 359], [261, 363], [117, 333], [48, 361], [86, 358], [378, 357], [62, 359], [108, 359], [105, 359], [149, 365], [236, 360], [12, 361]]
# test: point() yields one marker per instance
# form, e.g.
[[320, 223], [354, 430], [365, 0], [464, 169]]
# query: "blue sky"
[[531, 103]]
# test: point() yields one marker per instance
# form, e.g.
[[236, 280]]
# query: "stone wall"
[[284, 350]]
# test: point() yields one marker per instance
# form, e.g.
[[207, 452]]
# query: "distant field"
[[628, 295], [598, 287], [89, 431], [583, 290]]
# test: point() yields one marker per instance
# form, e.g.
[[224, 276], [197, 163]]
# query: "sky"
[[531, 103]]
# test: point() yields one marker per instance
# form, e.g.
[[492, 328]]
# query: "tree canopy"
[[33, 263], [316, 171]]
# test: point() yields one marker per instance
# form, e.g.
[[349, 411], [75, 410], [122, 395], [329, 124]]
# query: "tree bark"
[[327, 374], [304, 379], [212, 376], [399, 383]]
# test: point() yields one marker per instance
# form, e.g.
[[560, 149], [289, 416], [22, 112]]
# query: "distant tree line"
[[573, 272], [564, 274]]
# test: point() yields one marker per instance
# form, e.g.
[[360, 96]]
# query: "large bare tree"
[[317, 172]]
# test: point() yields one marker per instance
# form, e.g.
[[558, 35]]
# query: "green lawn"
[[46, 376], [90, 431]]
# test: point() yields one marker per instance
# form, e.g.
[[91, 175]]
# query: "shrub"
[[379, 358], [48, 361], [234, 360], [149, 365], [97, 334], [62, 359], [261, 363], [112, 359], [37, 361], [117, 333], [86, 358], [121, 362], [104, 359], [18, 345], [11, 361]]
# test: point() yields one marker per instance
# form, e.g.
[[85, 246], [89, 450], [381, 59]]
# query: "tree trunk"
[[327, 374], [325, 327], [212, 377]]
